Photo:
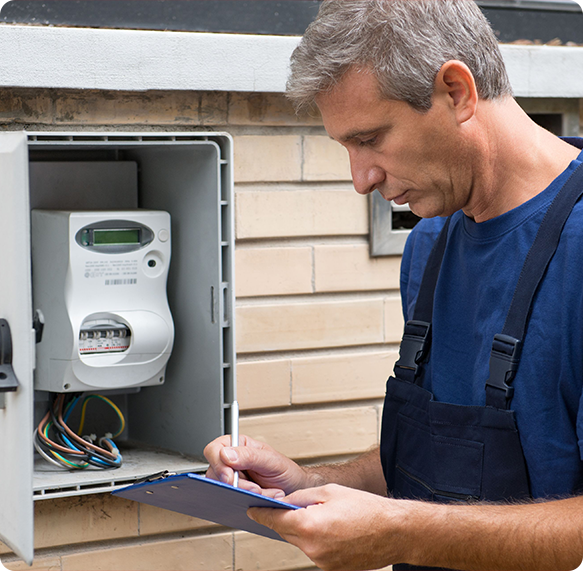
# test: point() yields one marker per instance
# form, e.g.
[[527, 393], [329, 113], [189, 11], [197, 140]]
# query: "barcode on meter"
[[121, 282]]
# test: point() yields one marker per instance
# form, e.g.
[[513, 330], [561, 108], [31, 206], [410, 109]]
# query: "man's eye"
[[367, 142]]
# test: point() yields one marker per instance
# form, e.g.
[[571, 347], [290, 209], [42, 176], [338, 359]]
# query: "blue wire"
[[70, 408], [70, 444], [119, 459]]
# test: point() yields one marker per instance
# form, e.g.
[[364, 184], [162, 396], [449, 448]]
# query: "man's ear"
[[455, 82]]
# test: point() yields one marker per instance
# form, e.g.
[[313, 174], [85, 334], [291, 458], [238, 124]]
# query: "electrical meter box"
[[99, 281], [123, 245]]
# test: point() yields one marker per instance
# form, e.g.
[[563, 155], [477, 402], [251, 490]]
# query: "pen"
[[235, 434]]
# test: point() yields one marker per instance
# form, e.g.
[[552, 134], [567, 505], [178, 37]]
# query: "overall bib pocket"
[[434, 467]]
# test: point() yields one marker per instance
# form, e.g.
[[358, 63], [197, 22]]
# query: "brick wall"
[[317, 320]]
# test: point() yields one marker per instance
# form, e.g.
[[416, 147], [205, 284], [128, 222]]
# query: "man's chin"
[[418, 210], [427, 210]]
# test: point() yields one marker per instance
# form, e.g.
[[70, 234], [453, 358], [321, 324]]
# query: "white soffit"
[[136, 60]]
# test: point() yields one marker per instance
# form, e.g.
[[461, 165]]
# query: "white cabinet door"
[[16, 454]]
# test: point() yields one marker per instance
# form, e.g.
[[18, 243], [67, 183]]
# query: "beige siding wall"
[[318, 320]]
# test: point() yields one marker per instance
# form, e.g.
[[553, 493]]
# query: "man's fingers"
[[255, 461], [220, 465], [250, 486], [274, 493], [212, 454], [210, 473], [226, 474]]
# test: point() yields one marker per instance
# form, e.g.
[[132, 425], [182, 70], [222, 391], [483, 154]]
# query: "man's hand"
[[340, 528], [263, 470]]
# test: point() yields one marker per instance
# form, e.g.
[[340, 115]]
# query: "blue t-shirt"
[[478, 276]]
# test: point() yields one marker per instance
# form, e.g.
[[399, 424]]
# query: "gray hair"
[[403, 42]]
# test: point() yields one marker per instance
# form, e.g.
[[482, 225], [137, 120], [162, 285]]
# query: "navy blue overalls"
[[444, 452]]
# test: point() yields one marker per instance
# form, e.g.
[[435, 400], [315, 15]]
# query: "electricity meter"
[[99, 279]]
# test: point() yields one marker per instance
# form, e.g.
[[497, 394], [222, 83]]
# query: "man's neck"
[[519, 159]]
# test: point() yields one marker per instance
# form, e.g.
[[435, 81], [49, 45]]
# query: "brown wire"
[[51, 443]]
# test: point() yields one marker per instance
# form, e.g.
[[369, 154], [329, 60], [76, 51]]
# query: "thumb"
[[262, 461], [239, 458], [264, 516], [229, 456]]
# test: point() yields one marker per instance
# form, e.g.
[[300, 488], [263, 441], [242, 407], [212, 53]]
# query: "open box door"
[[16, 349]]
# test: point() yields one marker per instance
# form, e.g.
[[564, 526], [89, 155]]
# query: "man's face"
[[410, 157]]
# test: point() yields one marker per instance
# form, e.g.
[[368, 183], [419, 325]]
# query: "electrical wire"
[[84, 444], [111, 403], [42, 452], [58, 444], [43, 435]]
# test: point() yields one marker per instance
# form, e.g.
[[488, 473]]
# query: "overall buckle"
[[504, 360], [414, 347]]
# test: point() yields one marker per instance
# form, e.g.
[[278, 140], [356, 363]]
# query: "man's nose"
[[365, 177]]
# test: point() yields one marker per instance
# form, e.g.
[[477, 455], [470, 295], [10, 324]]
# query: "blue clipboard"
[[195, 495]]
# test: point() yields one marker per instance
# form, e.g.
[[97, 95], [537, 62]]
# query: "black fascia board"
[[512, 20]]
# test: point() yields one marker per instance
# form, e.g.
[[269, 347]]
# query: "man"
[[417, 93]]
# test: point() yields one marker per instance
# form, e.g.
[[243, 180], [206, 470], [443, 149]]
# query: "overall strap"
[[417, 336], [506, 348]]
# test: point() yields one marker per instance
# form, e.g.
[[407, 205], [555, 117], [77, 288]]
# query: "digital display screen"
[[113, 237]]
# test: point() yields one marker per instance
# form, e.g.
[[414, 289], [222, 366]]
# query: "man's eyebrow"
[[361, 134]]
